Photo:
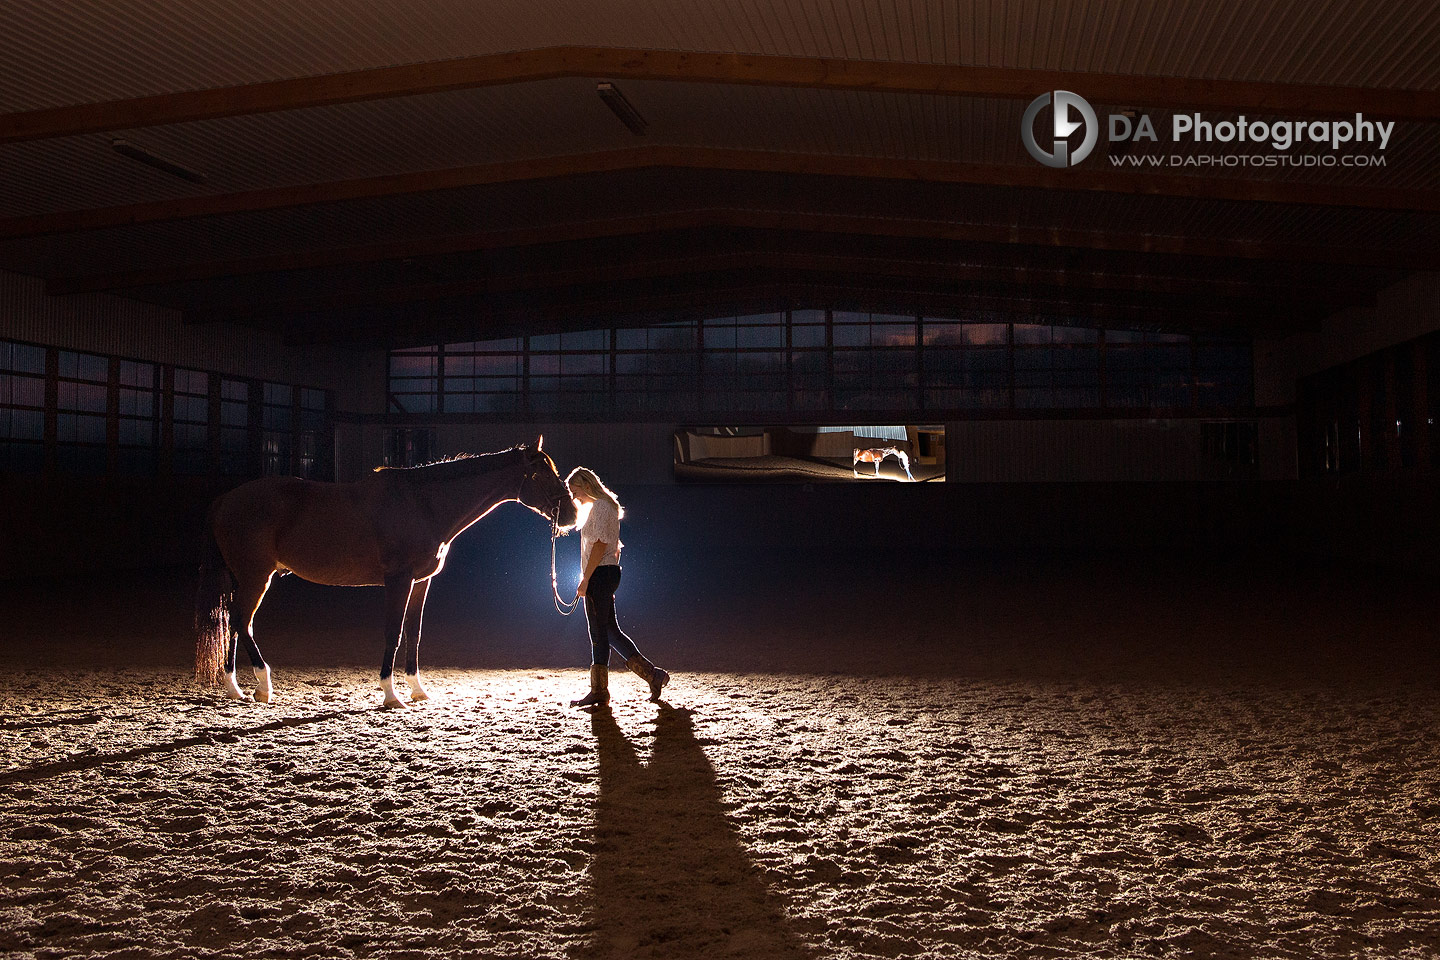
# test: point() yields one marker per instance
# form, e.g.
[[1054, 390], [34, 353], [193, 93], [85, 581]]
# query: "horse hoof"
[[394, 703], [419, 695], [262, 696], [239, 695]]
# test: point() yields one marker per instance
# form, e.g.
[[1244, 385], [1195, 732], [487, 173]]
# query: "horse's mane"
[[452, 459]]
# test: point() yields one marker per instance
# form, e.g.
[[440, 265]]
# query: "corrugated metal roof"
[[100, 50], [95, 50], [563, 117], [316, 145]]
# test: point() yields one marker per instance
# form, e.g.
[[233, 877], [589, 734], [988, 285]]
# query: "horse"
[[392, 529], [875, 455]]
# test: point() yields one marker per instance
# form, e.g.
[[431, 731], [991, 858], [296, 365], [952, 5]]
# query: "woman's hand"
[[580, 590]]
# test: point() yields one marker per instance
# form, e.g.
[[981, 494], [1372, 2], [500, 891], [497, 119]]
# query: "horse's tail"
[[212, 609]]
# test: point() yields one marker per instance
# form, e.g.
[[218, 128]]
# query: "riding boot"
[[599, 694], [650, 673]]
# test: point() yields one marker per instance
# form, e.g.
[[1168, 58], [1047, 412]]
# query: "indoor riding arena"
[[1015, 423]]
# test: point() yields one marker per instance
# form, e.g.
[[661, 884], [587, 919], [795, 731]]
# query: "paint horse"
[[875, 455], [391, 529]]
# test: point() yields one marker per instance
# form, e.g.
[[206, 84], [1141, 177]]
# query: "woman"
[[599, 576]]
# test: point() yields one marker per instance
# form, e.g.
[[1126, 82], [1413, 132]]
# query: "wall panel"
[[127, 328]]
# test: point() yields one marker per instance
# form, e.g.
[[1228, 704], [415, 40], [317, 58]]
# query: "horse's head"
[[542, 490]]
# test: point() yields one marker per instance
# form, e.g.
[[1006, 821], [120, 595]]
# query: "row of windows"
[[1375, 413], [820, 360], [70, 412]]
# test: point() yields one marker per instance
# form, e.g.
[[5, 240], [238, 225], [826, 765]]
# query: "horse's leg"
[[249, 591], [414, 617], [397, 595], [258, 665], [232, 689]]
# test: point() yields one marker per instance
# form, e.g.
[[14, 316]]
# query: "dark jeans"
[[605, 630]]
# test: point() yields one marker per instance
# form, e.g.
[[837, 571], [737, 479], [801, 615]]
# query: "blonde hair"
[[584, 480]]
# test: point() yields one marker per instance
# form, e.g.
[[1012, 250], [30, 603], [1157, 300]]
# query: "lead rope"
[[564, 607]]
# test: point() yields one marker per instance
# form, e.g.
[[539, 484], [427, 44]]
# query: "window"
[[82, 409], [235, 427], [138, 418], [314, 457], [483, 376], [22, 408], [1223, 372], [744, 363], [967, 364], [1056, 366], [278, 422], [1148, 370], [570, 372], [809, 360], [84, 414], [819, 360], [191, 421], [657, 369], [414, 380], [875, 361]]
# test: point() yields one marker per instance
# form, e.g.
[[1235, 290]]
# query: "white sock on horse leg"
[[391, 699], [232, 689], [262, 683], [417, 689]]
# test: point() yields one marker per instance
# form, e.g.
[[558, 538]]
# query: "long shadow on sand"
[[89, 761], [670, 875]]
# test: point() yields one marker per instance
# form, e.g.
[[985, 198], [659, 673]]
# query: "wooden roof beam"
[[720, 217], [1186, 93], [751, 161]]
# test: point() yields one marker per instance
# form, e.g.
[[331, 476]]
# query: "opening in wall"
[[907, 453]]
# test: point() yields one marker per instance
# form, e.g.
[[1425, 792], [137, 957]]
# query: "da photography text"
[[1071, 114]]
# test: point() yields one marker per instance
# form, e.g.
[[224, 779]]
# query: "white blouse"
[[602, 525]]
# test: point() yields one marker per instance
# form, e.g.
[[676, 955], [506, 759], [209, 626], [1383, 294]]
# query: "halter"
[[564, 607], [525, 478]]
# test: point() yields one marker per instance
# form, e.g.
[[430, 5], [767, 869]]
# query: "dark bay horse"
[[391, 529]]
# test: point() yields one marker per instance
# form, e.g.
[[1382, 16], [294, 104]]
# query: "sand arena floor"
[[1024, 804]]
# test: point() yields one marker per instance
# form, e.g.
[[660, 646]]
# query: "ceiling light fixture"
[[134, 152], [621, 107]]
